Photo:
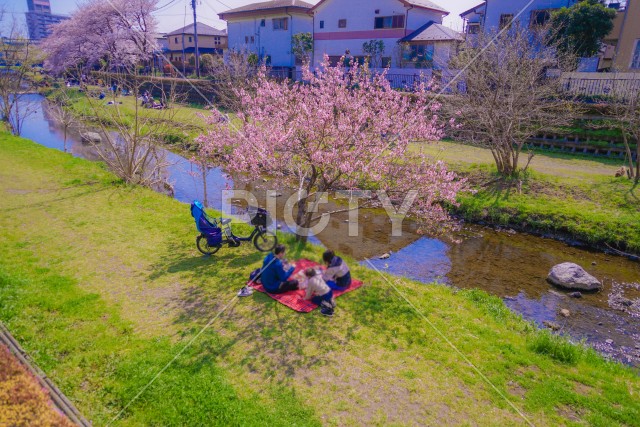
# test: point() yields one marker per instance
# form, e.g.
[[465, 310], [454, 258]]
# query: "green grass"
[[183, 123], [564, 194], [102, 285]]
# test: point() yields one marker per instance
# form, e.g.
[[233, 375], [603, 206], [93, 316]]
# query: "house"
[[430, 46], [497, 14], [181, 43], [266, 29], [473, 19], [411, 30], [622, 45]]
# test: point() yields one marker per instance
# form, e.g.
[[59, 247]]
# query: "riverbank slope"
[[567, 196], [102, 284]]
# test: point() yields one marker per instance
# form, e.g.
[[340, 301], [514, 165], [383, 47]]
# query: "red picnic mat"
[[295, 299]]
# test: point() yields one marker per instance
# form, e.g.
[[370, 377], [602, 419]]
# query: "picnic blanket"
[[295, 299]]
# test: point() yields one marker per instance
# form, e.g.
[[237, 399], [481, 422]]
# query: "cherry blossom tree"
[[117, 33], [340, 129]]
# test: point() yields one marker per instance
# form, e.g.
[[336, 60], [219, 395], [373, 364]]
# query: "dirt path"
[[550, 164]]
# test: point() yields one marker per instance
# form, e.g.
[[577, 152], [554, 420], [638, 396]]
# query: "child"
[[337, 275], [318, 292]]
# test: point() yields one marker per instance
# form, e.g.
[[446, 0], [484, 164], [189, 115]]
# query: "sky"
[[171, 14]]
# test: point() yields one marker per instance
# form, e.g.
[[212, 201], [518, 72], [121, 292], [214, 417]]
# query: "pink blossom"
[[340, 129]]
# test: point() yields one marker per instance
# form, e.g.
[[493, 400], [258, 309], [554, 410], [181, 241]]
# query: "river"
[[510, 265]]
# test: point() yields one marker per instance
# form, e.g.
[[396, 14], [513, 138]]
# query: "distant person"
[[337, 275], [102, 95], [319, 292], [276, 272]]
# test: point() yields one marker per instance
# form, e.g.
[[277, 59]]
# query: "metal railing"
[[606, 88]]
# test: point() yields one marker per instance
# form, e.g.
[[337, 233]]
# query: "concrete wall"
[[248, 34]]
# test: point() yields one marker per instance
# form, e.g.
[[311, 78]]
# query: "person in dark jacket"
[[337, 275], [276, 272]]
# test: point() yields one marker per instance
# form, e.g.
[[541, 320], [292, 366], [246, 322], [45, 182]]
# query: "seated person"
[[337, 274], [319, 293], [276, 273]]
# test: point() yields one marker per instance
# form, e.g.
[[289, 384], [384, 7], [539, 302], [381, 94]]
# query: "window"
[[190, 40], [281, 24], [539, 18], [263, 23], [635, 60], [253, 39], [396, 21], [176, 40], [473, 28], [421, 56], [246, 39], [321, 25], [505, 20], [342, 23], [334, 60]]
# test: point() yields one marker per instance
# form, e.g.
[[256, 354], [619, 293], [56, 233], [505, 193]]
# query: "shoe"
[[333, 303], [325, 311], [327, 305], [245, 292]]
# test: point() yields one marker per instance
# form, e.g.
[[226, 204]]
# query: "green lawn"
[[102, 285], [573, 195]]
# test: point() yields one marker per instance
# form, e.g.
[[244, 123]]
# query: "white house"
[[474, 18], [411, 30], [267, 28]]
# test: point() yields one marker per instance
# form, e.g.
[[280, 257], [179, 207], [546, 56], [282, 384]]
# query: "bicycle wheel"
[[204, 247], [265, 241]]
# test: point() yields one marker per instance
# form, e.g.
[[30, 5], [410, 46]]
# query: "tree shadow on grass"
[[261, 335], [46, 203], [202, 265]]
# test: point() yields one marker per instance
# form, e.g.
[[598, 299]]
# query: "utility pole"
[[195, 37]]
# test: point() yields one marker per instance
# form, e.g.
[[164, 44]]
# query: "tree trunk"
[[627, 148], [301, 219], [205, 172]]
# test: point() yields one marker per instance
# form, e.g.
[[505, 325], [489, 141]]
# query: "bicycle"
[[216, 233]]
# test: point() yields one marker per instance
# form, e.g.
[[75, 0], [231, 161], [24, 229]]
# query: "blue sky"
[[172, 12]]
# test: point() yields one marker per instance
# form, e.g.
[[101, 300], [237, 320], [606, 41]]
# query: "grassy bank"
[[103, 286], [570, 195]]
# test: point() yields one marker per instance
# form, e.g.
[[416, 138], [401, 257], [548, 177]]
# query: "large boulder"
[[91, 137], [571, 276]]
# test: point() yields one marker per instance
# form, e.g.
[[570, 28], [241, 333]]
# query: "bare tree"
[[510, 94], [230, 76], [18, 55], [624, 109], [59, 110], [132, 133]]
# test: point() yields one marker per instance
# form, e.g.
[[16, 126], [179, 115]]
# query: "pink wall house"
[[412, 31]]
